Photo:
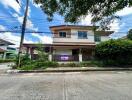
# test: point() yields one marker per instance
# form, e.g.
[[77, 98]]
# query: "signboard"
[[64, 57]]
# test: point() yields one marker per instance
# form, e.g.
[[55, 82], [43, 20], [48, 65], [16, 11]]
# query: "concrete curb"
[[69, 70]]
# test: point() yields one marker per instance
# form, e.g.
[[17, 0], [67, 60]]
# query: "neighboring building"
[[5, 50], [124, 37], [72, 43]]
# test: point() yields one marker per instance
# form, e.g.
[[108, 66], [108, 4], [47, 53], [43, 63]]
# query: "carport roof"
[[3, 42]]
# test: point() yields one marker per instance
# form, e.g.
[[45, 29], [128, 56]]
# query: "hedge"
[[115, 52], [7, 60]]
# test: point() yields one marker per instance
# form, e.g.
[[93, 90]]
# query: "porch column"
[[29, 52], [4, 55], [50, 54], [80, 55]]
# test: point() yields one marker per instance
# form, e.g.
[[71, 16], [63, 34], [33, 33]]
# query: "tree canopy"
[[73, 10]]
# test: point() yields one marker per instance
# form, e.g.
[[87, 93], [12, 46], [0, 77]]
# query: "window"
[[82, 34], [97, 38], [62, 34]]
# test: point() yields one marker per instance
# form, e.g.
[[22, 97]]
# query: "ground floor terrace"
[[63, 52]]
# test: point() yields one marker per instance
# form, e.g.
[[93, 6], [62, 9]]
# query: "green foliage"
[[89, 64], [69, 64], [7, 60], [46, 64], [72, 10], [42, 56], [129, 36], [27, 67], [115, 52], [25, 60], [39, 65]]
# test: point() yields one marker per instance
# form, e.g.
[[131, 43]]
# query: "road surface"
[[66, 86]]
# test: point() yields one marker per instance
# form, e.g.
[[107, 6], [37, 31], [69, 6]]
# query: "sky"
[[11, 17]]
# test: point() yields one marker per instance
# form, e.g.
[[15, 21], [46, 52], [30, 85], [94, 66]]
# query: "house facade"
[[71, 43]]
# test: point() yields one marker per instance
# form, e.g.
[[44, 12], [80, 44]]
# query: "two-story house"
[[72, 43]]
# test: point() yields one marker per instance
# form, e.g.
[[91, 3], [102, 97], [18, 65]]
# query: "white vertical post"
[[50, 57], [50, 54], [80, 55], [29, 52]]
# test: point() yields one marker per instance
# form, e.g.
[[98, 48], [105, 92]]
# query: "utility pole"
[[23, 33]]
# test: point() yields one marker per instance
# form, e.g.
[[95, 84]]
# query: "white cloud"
[[86, 20], [2, 27], [29, 24], [11, 3], [125, 11], [11, 37], [43, 39]]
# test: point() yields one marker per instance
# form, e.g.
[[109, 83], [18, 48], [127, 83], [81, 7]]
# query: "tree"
[[73, 10], [129, 36]]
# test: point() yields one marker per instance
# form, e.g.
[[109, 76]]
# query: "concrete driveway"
[[5, 66], [66, 86]]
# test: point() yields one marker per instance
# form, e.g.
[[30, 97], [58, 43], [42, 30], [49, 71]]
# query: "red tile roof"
[[2, 50]]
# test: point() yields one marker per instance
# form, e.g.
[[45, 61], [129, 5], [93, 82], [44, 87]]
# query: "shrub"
[[114, 52], [7, 60], [46, 64], [69, 64], [25, 60], [27, 67]]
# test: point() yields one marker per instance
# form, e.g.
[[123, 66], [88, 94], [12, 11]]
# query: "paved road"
[[67, 86]]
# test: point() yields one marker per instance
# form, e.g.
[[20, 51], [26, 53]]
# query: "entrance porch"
[[64, 52]]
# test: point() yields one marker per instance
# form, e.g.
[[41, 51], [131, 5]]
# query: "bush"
[[114, 52], [25, 60], [46, 64], [38, 65], [69, 65], [7, 60], [27, 67]]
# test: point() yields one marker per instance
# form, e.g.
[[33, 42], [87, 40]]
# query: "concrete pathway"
[[4, 67], [67, 86]]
